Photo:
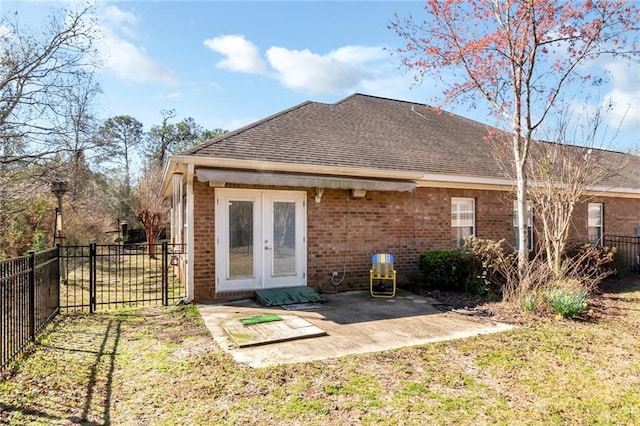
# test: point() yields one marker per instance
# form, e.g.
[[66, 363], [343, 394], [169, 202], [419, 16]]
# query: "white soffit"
[[308, 181]]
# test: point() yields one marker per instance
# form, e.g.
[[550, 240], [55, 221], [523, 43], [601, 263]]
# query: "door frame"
[[262, 239]]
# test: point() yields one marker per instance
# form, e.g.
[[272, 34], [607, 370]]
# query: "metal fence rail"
[[628, 250], [108, 276], [36, 287], [28, 300]]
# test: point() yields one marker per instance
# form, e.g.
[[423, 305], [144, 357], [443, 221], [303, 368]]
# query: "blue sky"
[[227, 64]]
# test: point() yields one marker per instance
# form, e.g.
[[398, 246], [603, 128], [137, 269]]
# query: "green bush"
[[492, 267], [529, 302], [444, 269], [567, 303]]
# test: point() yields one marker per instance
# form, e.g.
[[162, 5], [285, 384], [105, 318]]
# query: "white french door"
[[261, 239]]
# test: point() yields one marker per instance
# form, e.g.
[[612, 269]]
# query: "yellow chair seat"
[[383, 274]]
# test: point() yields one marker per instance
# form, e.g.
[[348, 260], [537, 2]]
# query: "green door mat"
[[260, 319], [287, 296]]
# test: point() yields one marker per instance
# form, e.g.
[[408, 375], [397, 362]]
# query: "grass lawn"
[[160, 366]]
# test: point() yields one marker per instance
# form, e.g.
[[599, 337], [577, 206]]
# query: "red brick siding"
[[621, 217], [343, 232], [204, 267]]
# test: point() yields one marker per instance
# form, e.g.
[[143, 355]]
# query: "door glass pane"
[[240, 239], [284, 238]]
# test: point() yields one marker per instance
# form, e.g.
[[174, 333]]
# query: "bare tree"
[[168, 138], [567, 173], [39, 68], [150, 206], [520, 57], [36, 74]]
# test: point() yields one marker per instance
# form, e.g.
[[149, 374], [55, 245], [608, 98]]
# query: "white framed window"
[[516, 240], [595, 223], [463, 219]]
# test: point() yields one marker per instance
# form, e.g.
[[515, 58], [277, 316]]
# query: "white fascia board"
[[602, 191], [465, 182], [227, 163]]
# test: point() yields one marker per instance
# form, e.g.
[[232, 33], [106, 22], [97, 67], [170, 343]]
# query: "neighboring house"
[[317, 189]]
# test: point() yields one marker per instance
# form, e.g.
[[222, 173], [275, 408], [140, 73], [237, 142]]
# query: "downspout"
[[190, 232]]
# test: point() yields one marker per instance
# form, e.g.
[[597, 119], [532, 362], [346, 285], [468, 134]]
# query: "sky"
[[228, 64]]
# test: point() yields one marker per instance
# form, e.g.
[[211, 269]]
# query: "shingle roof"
[[368, 132]]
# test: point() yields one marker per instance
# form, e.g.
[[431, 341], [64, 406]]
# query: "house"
[[306, 196]]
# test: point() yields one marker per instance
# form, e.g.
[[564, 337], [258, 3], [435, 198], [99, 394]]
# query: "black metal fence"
[[36, 287], [29, 289], [628, 250], [108, 276]]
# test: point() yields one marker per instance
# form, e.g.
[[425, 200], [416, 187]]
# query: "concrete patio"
[[354, 322]]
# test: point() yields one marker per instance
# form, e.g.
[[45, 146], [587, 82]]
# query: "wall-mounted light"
[[319, 192]]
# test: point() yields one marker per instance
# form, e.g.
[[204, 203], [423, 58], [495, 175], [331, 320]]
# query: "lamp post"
[[59, 188]]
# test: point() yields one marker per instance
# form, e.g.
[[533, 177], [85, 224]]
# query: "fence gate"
[[114, 275]]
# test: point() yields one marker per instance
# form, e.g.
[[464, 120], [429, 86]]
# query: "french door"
[[261, 239]]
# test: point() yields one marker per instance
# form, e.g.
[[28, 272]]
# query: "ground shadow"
[[353, 307]]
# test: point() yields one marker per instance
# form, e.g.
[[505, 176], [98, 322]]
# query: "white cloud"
[[126, 60], [174, 95], [340, 70], [304, 70], [240, 54], [119, 17], [624, 97], [358, 54]]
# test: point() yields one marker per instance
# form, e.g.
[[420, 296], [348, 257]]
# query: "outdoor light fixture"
[[59, 188]]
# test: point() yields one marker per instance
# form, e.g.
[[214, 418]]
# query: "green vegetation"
[[160, 366], [567, 304], [444, 269]]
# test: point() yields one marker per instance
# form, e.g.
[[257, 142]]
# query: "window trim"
[[455, 201], [599, 242]]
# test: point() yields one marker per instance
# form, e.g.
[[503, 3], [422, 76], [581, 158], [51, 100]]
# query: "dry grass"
[[160, 366], [123, 277]]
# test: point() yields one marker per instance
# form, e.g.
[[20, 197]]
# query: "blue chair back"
[[382, 258]]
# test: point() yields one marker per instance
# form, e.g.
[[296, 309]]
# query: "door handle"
[[267, 248]]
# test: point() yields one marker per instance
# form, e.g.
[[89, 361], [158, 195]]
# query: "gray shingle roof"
[[368, 132]]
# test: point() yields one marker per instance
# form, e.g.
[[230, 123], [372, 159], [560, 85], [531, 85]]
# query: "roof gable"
[[365, 132]]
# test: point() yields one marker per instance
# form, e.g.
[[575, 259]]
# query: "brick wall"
[[343, 232], [204, 267]]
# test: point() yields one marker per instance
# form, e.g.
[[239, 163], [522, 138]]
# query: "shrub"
[[444, 269], [567, 303], [493, 268], [529, 302], [590, 264]]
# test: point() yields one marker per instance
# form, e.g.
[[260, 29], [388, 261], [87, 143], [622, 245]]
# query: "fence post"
[[165, 273], [58, 276], [92, 277], [32, 295]]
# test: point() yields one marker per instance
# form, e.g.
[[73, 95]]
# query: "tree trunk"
[[521, 210], [151, 239]]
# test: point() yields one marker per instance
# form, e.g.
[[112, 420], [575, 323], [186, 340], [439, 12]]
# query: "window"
[[595, 223], [462, 219], [516, 242]]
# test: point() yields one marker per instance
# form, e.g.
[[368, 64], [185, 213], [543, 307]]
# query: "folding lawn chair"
[[383, 274]]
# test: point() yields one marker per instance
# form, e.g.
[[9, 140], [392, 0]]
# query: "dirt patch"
[[604, 303]]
